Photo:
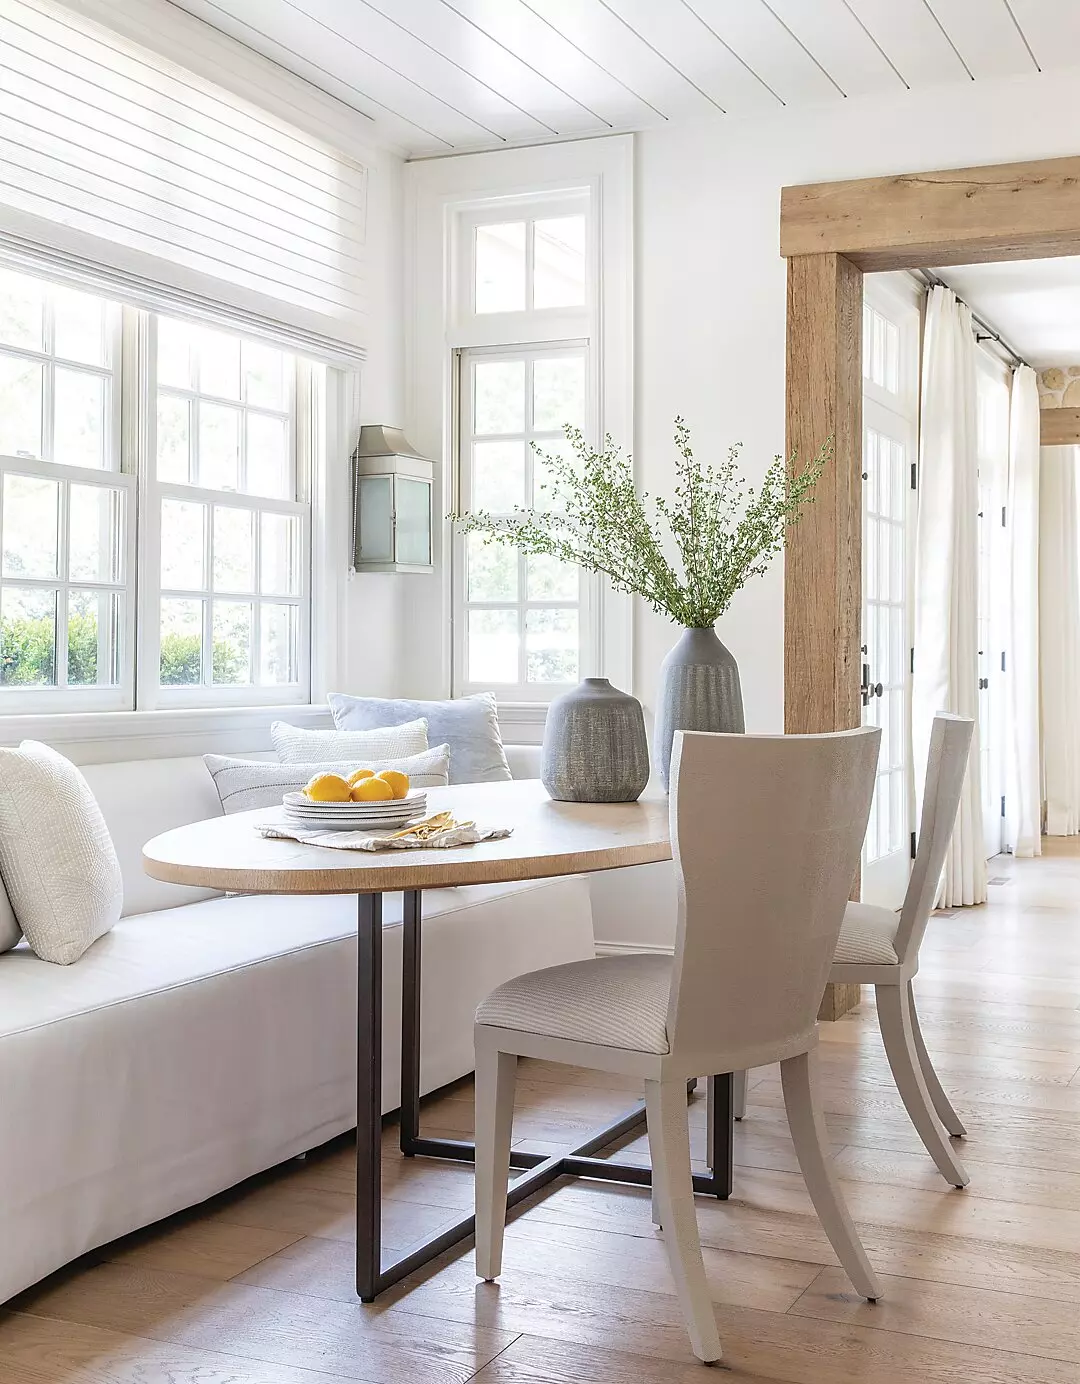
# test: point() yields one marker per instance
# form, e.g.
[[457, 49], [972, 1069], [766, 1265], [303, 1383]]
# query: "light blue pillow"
[[469, 725]]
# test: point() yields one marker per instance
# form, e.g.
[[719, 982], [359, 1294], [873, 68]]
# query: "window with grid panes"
[[222, 471], [522, 614], [522, 624], [232, 533], [66, 511]]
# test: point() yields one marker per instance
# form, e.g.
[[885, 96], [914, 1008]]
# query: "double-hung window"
[[228, 522], [66, 506], [155, 516], [524, 626]]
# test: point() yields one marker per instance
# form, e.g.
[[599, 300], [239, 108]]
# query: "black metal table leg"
[[410, 1021], [369, 987], [720, 1134]]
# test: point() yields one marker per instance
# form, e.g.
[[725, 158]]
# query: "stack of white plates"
[[350, 816]]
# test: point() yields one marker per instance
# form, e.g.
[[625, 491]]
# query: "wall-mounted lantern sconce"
[[392, 487]]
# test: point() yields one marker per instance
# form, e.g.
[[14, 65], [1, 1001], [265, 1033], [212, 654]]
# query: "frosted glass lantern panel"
[[376, 504], [413, 509]]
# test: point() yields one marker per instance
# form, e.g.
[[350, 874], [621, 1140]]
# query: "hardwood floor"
[[255, 1287]]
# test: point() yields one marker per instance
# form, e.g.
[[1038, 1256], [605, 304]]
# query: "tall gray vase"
[[595, 748], [699, 690]]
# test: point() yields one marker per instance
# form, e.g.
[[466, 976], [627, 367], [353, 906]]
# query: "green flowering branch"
[[723, 531]]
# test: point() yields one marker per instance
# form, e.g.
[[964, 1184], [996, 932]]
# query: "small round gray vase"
[[595, 748], [699, 690]]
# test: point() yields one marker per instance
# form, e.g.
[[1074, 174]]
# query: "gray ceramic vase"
[[699, 690], [595, 748]]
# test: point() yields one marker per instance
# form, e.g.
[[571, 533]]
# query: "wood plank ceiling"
[[437, 76]]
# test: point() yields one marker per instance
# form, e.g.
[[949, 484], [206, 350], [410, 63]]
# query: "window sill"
[[522, 723], [96, 737]]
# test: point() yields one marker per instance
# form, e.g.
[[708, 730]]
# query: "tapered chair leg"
[[496, 1075], [738, 1097], [897, 1032], [811, 1140], [946, 1114], [669, 1146]]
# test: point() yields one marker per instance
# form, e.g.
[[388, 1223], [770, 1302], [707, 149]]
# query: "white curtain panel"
[[1023, 764], [1059, 637], [946, 676]]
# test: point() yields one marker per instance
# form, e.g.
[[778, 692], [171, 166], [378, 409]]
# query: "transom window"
[[210, 599], [529, 265]]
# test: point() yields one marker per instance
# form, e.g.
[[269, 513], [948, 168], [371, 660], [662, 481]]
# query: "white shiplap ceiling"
[[437, 76], [1034, 304]]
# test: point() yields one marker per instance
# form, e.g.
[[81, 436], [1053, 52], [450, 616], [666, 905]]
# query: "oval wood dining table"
[[547, 839]]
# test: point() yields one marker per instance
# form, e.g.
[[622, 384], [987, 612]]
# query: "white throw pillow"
[[295, 745], [246, 783], [56, 855]]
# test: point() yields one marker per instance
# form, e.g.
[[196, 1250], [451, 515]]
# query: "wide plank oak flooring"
[[983, 1286]]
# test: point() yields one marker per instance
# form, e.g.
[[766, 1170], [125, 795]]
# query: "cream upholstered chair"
[[766, 832], [881, 948]]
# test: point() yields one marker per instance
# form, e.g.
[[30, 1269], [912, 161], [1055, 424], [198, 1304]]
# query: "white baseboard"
[[629, 948]]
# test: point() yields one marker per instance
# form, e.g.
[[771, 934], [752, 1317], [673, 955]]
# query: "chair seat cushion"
[[613, 1001], [868, 936]]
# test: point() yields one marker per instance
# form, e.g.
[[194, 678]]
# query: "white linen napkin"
[[382, 841]]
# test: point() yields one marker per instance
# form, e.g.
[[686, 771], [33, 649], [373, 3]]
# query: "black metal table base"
[[539, 1170]]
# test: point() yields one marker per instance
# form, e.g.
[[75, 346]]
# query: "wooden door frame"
[[830, 235]]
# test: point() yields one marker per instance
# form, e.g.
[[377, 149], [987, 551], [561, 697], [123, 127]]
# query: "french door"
[[891, 327], [886, 655]]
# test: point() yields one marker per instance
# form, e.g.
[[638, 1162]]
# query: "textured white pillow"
[[297, 746], [56, 855], [246, 783]]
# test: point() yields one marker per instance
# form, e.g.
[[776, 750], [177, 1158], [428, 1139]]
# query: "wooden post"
[[823, 557]]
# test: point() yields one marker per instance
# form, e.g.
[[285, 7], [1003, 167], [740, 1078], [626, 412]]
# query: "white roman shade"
[[125, 172]]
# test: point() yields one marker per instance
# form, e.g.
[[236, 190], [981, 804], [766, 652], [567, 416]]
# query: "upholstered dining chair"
[[766, 833], [881, 948]]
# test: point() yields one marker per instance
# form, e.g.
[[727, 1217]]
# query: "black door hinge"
[[1002, 516], [1003, 804], [914, 476], [913, 660], [1003, 660], [913, 845]]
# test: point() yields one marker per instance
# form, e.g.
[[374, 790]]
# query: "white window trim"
[[436, 191]]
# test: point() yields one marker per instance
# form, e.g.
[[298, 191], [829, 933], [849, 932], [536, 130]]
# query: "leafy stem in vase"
[[685, 556]]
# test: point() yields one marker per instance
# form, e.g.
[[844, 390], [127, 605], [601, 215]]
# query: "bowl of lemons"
[[365, 798]]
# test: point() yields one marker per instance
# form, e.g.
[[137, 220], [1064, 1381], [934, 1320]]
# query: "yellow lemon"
[[399, 782], [372, 790], [358, 774], [327, 788]]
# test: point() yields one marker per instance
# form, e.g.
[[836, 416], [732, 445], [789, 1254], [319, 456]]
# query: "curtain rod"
[[988, 333]]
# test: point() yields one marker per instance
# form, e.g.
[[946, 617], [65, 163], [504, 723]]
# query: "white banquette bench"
[[209, 1037]]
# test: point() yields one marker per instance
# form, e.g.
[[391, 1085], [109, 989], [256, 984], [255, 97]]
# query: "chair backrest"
[[946, 765], [766, 833]]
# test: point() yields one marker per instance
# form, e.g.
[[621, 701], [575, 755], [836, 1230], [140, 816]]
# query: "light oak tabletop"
[[549, 838]]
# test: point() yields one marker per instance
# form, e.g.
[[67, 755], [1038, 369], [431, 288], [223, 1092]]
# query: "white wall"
[[710, 301], [374, 649], [711, 286]]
